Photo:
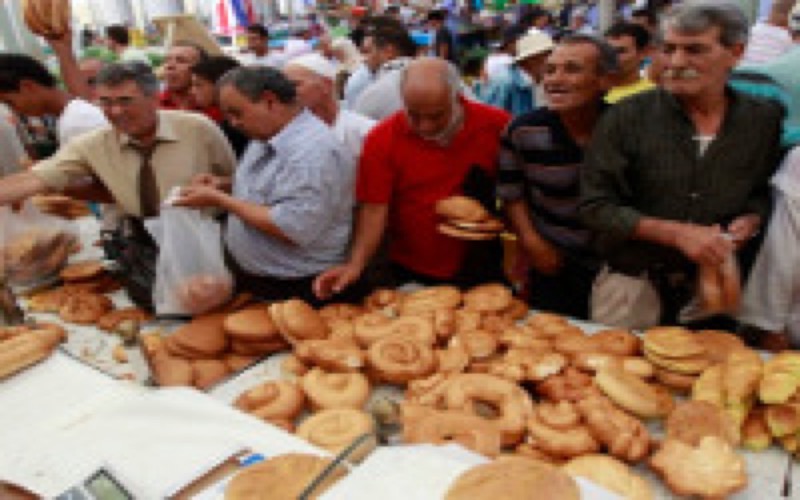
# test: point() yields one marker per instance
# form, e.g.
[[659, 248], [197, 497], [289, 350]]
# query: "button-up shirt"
[[644, 161], [187, 144], [302, 177]]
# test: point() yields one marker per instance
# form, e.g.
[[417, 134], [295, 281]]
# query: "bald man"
[[411, 160], [314, 77]]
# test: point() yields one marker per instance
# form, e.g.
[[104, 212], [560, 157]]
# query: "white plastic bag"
[[33, 246], [191, 277]]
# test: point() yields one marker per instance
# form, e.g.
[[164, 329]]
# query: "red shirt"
[[410, 174], [167, 101]]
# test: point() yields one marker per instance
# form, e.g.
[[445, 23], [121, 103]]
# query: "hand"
[[743, 228], [336, 279], [703, 244], [208, 180], [544, 257], [199, 197]]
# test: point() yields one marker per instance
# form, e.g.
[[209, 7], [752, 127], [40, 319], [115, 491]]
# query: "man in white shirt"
[[258, 52], [118, 41], [315, 81], [30, 90], [770, 37]]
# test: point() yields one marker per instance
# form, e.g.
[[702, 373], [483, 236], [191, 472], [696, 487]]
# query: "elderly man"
[[314, 78], [676, 177], [178, 76], [410, 161], [291, 207], [258, 51], [540, 163], [141, 157], [515, 89]]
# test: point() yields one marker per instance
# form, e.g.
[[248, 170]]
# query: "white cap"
[[315, 63], [532, 43]]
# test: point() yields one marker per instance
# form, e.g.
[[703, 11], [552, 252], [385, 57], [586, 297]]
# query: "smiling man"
[[540, 162], [678, 176], [141, 157]]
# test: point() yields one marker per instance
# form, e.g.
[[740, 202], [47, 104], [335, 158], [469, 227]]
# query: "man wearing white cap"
[[516, 89], [314, 78]]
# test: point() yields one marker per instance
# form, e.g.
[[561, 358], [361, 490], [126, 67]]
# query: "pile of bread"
[[477, 370], [82, 299], [48, 18], [35, 255], [61, 206], [26, 345]]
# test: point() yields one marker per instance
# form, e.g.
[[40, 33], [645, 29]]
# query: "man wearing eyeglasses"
[[141, 157]]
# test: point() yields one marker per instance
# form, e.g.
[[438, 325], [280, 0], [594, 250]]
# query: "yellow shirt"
[[616, 94], [187, 144]]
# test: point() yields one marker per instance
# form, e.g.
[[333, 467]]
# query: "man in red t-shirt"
[[410, 161], [181, 56]]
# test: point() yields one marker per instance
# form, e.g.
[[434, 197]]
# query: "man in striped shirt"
[[540, 160]]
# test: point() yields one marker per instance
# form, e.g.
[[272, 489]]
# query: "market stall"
[[92, 406]]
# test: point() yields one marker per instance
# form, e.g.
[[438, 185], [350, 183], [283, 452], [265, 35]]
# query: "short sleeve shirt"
[[409, 174]]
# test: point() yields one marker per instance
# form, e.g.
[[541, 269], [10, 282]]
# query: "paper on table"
[[421, 472]]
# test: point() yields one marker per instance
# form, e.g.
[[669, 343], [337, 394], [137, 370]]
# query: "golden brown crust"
[[207, 372], [331, 354], [297, 320], [398, 360], [335, 390], [461, 208], [489, 298], [85, 308], [611, 474], [252, 324], [111, 320], [335, 429], [632, 393], [202, 335], [623, 436], [426, 425], [691, 421], [272, 400], [281, 478]]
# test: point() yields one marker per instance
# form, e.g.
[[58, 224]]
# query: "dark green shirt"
[[644, 160]]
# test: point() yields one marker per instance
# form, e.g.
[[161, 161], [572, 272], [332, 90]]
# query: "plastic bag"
[[191, 277], [719, 291], [34, 246]]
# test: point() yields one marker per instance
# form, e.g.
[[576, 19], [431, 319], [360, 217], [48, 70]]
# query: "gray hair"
[[451, 78], [118, 73], [607, 62], [253, 81], [697, 17]]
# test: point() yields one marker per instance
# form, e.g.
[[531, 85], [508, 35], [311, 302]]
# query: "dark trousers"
[[270, 288], [567, 292]]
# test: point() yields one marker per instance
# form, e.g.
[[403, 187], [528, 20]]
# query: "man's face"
[[26, 101], [371, 57], [310, 87], [256, 43], [128, 109], [177, 67], [695, 64], [571, 79], [534, 66], [89, 69], [629, 57], [430, 114], [254, 119], [203, 92]]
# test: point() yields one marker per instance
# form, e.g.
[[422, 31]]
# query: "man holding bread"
[[677, 178], [411, 161]]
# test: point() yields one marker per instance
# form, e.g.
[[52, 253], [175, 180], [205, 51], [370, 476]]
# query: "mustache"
[[681, 73]]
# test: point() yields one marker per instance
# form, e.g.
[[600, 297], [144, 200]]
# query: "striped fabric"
[[539, 162]]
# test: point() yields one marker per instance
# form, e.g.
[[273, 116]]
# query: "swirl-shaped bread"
[[335, 429], [335, 390], [397, 360]]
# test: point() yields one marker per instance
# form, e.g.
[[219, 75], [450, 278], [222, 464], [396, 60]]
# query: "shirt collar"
[[393, 65], [165, 131], [283, 139]]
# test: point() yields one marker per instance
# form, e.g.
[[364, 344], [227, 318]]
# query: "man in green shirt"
[[678, 177]]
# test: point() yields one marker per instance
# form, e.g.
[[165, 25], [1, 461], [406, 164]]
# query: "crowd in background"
[[625, 162]]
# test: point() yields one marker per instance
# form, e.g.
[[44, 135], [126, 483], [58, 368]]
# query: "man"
[[770, 37], [394, 48], [258, 51], [89, 67], [540, 162], [30, 90], [410, 161], [290, 211], [314, 78], [443, 41], [178, 76], [140, 158], [676, 178], [119, 42], [515, 91], [631, 43], [364, 74]]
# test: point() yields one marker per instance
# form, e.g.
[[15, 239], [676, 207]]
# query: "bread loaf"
[[20, 352], [47, 18]]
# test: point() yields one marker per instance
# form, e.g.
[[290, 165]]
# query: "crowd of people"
[[622, 161]]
